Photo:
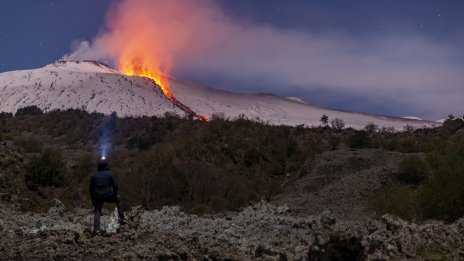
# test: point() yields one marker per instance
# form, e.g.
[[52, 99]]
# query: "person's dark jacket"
[[103, 184]]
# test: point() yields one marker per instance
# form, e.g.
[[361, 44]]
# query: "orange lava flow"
[[151, 74], [134, 69]]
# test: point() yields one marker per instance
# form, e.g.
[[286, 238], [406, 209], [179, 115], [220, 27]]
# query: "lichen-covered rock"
[[57, 208], [327, 219], [261, 231]]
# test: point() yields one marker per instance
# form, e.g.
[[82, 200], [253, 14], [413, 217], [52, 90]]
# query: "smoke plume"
[[198, 37]]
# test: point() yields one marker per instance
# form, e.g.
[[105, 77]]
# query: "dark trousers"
[[98, 204]]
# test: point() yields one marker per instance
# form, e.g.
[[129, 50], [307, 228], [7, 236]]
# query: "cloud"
[[198, 37]]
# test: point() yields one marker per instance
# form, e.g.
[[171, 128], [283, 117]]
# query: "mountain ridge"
[[95, 87]]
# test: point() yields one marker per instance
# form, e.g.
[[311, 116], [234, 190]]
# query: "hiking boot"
[[122, 220]]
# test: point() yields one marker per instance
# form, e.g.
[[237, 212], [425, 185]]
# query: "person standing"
[[104, 188]]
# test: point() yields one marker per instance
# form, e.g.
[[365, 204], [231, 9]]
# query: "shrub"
[[218, 116], [442, 196], [398, 200], [407, 145], [413, 170], [334, 141], [29, 110], [46, 170], [4, 115], [387, 130], [337, 124], [435, 159], [252, 156], [359, 140], [450, 126], [408, 128], [371, 128], [388, 143], [28, 144], [324, 120]]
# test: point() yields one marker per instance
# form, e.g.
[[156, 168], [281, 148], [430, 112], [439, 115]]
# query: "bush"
[[413, 170], [6, 115], [407, 145], [450, 126], [29, 110], [359, 140], [442, 196], [337, 124], [398, 200], [334, 141], [46, 170], [371, 128], [28, 144], [435, 159], [408, 128], [324, 120]]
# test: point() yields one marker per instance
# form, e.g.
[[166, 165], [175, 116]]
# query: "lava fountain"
[[136, 67], [143, 38]]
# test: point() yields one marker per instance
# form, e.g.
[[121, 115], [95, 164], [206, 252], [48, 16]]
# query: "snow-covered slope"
[[297, 99], [95, 87], [88, 85], [276, 110], [412, 118]]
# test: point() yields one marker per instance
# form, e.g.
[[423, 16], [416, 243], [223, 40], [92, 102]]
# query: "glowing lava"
[[160, 80], [135, 69]]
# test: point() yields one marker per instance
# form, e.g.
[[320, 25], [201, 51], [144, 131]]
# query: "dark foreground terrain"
[[262, 232], [331, 221], [231, 190]]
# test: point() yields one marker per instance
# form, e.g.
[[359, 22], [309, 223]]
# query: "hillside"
[[85, 85], [276, 110], [94, 87], [235, 190]]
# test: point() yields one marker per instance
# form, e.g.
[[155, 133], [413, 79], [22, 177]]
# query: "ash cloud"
[[199, 37]]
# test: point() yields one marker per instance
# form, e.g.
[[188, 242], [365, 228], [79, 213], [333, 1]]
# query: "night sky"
[[34, 33]]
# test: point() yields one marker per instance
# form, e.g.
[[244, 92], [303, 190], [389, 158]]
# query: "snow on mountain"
[[276, 110], [95, 87], [412, 118], [84, 66], [88, 85], [296, 99]]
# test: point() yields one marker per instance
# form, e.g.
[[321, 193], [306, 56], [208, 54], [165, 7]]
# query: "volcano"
[[95, 87]]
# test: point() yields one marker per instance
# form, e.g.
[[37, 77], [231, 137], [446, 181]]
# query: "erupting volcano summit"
[[94, 87]]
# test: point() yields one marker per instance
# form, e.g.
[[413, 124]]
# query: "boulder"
[[57, 208], [327, 218]]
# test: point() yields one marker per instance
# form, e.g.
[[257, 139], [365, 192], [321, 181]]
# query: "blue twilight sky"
[[393, 57]]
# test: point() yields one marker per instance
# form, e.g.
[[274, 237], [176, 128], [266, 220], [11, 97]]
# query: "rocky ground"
[[341, 181], [321, 215], [261, 232]]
